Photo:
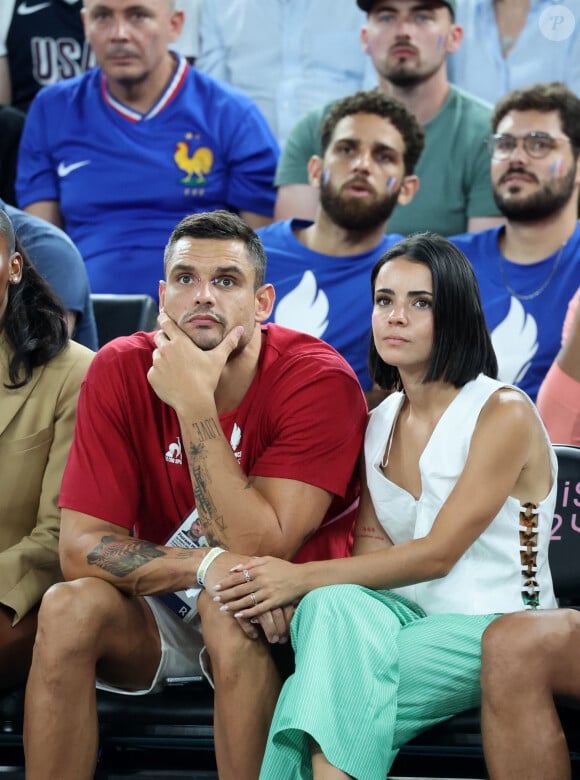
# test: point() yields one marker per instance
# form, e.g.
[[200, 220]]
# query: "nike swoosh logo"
[[64, 170], [24, 9]]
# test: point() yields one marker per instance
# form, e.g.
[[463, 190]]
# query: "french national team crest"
[[196, 164]]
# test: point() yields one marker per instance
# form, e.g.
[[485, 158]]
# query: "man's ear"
[[265, 297], [577, 177], [454, 38], [162, 287], [177, 20], [409, 188], [315, 168], [364, 39]]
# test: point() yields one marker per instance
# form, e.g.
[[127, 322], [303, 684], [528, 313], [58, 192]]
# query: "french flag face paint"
[[440, 42], [557, 168], [325, 176], [391, 183]]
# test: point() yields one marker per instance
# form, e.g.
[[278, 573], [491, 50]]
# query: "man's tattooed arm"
[[211, 521], [121, 557]]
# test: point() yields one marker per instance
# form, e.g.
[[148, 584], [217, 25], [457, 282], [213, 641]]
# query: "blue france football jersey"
[[526, 332], [124, 180]]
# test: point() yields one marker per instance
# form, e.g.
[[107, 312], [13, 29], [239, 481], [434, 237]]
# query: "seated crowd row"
[[237, 410], [223, 422]]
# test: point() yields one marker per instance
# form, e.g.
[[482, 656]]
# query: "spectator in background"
[[40, 377], [509, 44], [408, 43], [289, 57], [527, 268], [137, 143], [559, 394], [320, 270], [43, 41], [60, 264], [11, 125]]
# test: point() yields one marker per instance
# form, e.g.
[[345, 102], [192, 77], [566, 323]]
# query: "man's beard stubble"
[[552, 197], [355, 213]]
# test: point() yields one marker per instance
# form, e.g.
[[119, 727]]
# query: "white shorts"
[[181, 649]]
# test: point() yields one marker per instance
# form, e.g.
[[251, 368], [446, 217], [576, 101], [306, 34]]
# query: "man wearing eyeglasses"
[[529, 268]]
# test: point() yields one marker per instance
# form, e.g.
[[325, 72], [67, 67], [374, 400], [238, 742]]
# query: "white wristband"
[[207, 561]]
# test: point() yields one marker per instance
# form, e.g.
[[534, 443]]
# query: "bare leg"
[[247, 685], [321, 769], [85, 627], [16, 644], [528, 658]]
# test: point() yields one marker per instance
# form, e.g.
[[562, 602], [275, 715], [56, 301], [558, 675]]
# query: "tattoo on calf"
[[121, 557]]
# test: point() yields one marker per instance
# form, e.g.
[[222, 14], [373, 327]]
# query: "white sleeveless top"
[[488, 577]]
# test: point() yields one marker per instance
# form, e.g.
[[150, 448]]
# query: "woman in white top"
[[459, 487]]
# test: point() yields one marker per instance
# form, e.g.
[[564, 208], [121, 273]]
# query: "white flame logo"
[[515, 341], [305, 308], [236, 437]]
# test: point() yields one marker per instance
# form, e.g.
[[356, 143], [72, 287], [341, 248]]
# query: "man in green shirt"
[[408, 42]]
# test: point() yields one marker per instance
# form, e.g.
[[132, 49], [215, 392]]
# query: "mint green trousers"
[[372, 672]]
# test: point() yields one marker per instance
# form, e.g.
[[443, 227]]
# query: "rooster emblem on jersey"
[[195, 165]]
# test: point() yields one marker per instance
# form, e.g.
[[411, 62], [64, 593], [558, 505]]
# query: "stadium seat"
[[122, 315]]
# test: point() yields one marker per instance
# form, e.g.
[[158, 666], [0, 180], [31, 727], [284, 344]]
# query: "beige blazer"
[[36, 430]]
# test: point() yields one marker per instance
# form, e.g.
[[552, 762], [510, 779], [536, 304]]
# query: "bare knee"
[[233, 654], [528, 645], [71, 617]]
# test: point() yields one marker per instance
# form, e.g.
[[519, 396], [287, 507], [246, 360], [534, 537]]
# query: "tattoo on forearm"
[[203, 500], [213, 524], [121, 557], [369, 532], [206, 430]]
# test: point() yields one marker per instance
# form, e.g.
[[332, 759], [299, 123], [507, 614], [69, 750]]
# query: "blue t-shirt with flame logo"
[[323, 295], [526, 328]]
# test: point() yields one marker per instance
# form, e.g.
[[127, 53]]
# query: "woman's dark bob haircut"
[[462, 346]]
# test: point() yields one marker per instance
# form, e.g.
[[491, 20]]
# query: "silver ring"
[[247, 575], [253, 597]]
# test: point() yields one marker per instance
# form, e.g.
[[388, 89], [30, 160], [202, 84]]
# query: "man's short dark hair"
[[222, 226], [552, 96], [462, 347], [375, 102]]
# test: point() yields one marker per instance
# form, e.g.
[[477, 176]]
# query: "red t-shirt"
[[303, 418]]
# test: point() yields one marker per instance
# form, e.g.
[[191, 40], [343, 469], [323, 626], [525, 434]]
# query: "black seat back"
[[565, 541], [122, 315]]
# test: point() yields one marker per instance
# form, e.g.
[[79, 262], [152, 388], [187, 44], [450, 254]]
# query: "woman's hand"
[[259, 585]]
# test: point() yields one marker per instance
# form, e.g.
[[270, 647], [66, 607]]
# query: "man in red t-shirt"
[[256, 429]]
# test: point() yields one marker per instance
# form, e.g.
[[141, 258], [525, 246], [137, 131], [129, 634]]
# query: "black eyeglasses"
[[536, 144]]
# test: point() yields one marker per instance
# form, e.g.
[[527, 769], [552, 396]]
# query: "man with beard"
[[408, 42], [321, 269], [528, 268]]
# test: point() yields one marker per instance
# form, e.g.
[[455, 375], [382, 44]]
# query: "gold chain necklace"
[[541, 289]]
